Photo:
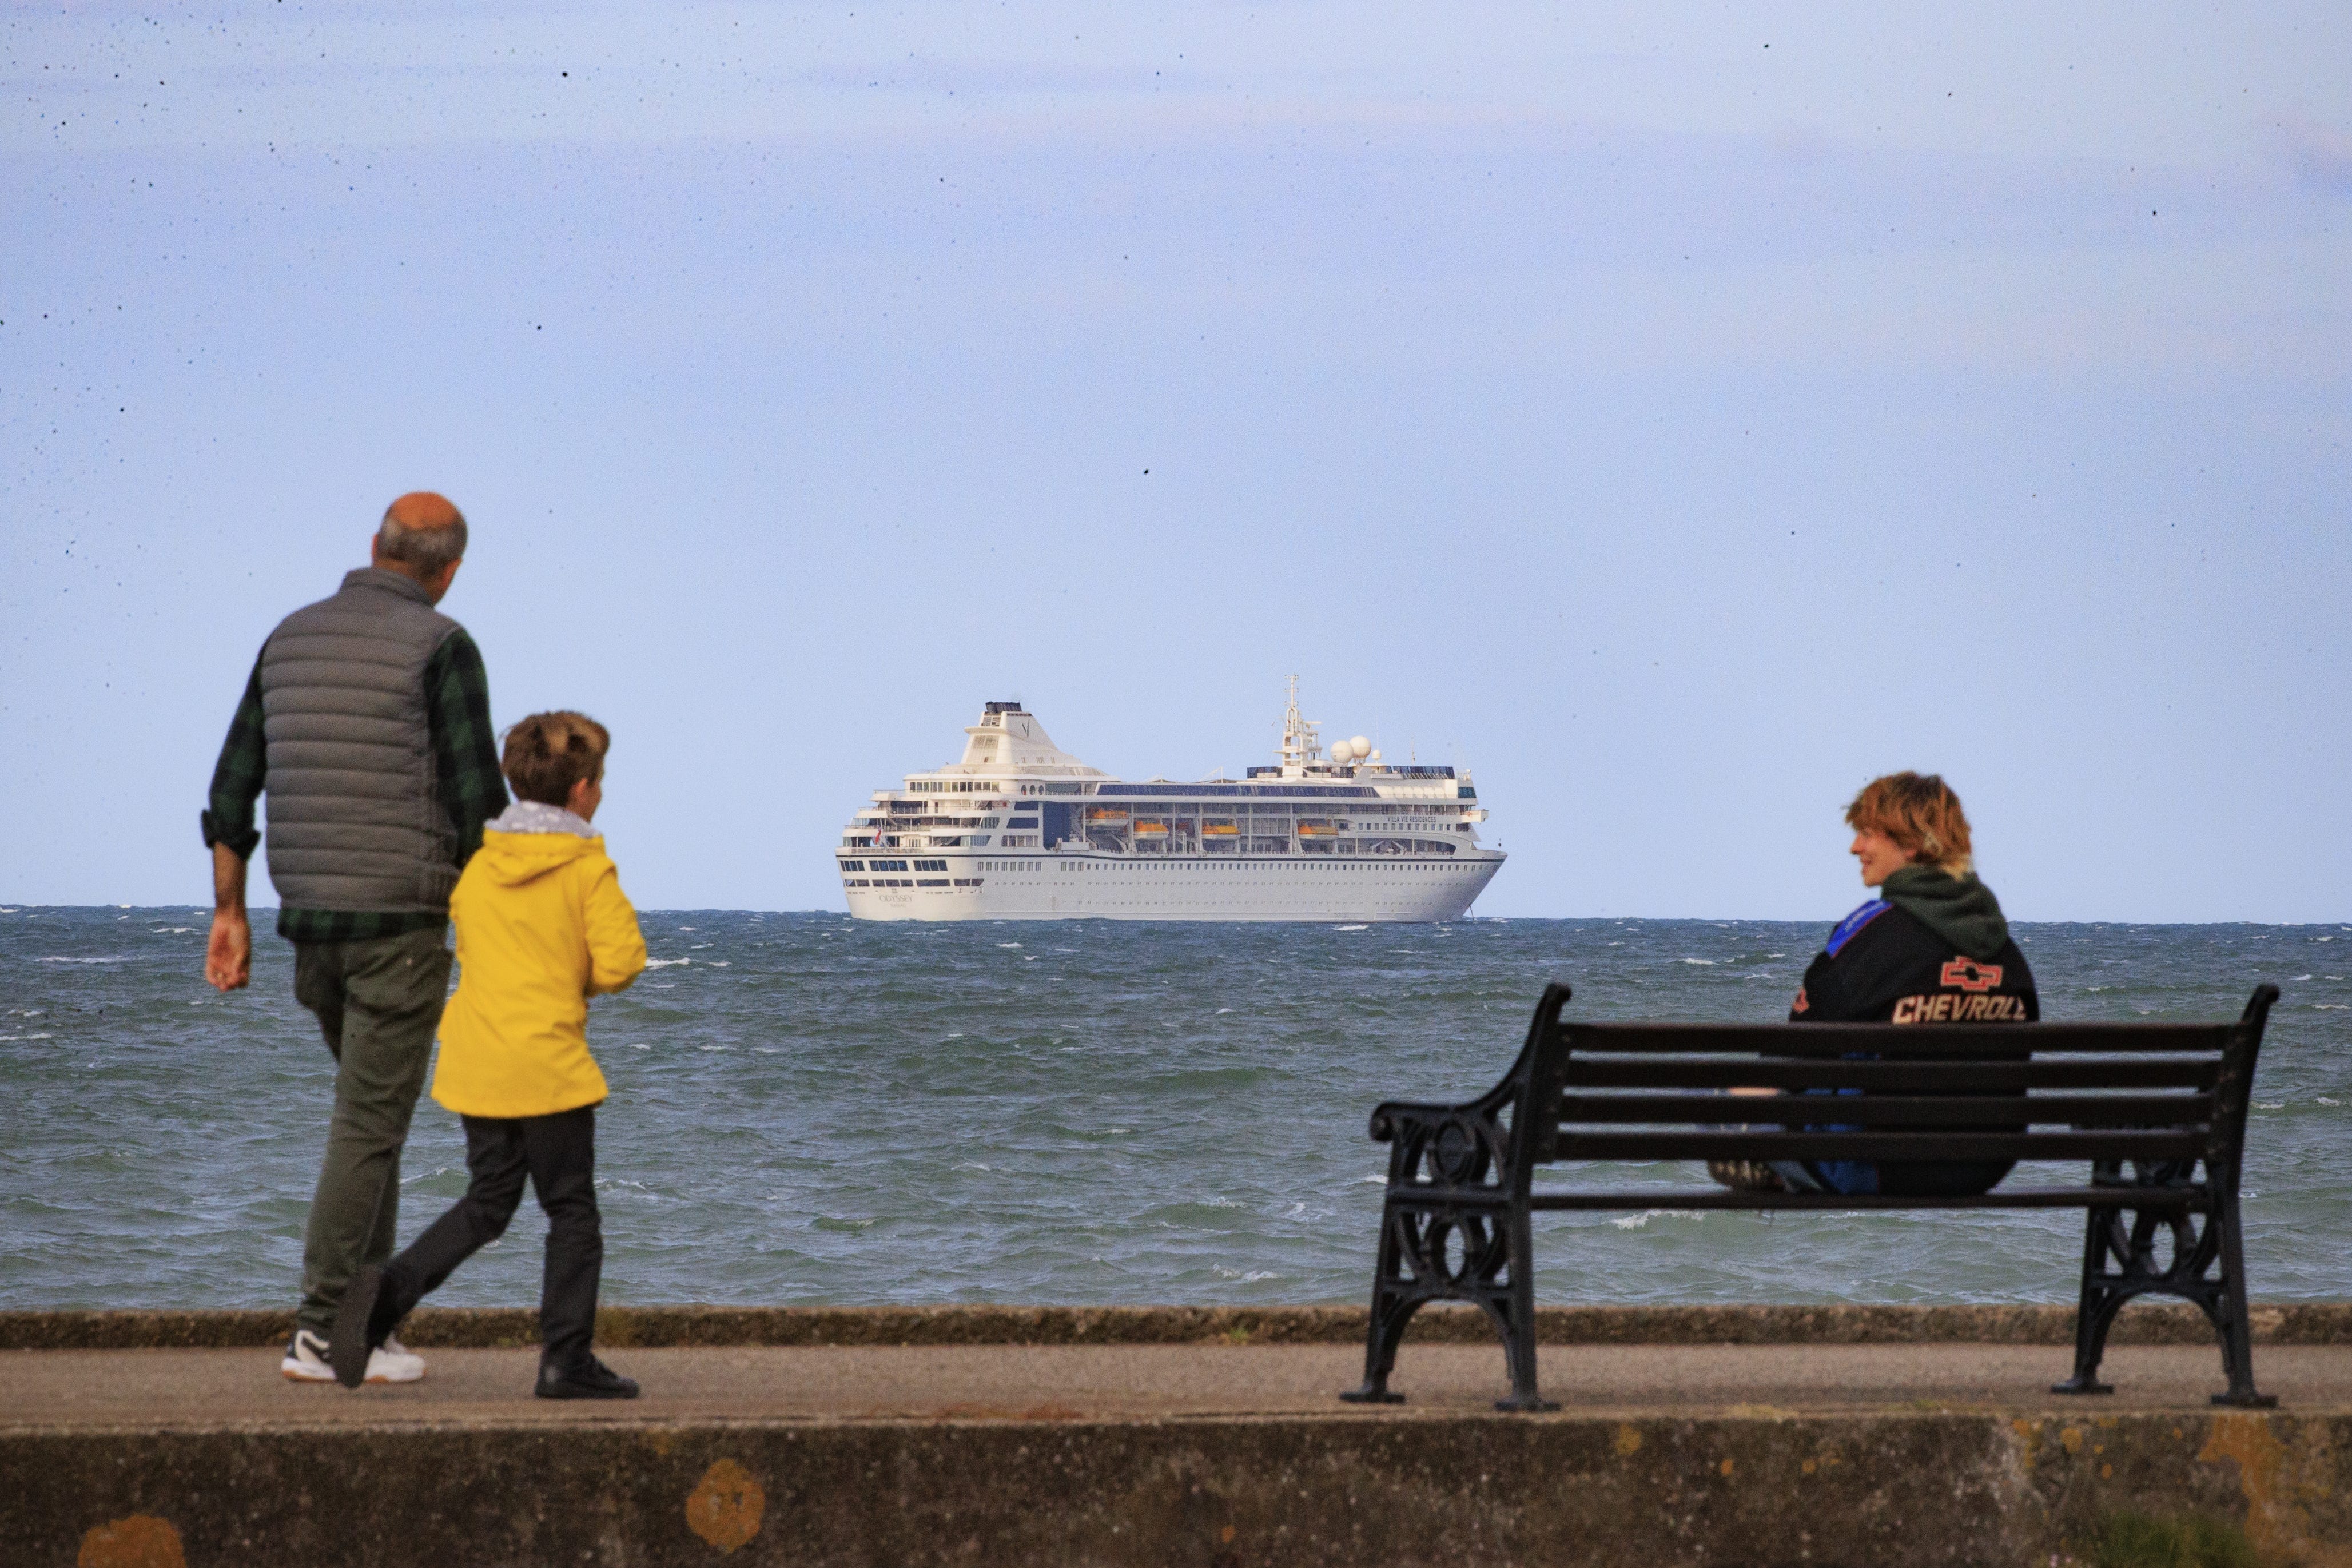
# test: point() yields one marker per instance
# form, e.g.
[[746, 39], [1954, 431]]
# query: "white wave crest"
[[662, 962]]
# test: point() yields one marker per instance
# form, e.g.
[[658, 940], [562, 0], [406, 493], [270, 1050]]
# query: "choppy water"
[[808, 1110]]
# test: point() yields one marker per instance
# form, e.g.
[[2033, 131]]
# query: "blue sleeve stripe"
[[1854, 922]]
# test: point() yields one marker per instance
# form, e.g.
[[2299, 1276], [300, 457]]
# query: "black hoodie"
[[1935, 950]]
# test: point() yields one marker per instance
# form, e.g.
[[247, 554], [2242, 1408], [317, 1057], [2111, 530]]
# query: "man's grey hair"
[[425, 550]]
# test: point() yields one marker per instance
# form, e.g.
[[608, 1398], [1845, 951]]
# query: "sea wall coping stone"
[[2303, 1323]]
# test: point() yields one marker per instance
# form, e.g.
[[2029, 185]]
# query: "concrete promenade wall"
[[1092, 1437], [1759, 1488]]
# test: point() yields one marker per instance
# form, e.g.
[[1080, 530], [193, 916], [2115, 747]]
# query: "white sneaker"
[[306, 1361], [392, 1362]]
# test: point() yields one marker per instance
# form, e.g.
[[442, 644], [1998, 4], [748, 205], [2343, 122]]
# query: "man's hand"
[[228, 951], [228, 954]]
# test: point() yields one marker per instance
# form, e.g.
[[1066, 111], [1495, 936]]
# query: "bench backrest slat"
[[2141, 1110], [1895, 1041], [1645, 1148], [1978, 1078]]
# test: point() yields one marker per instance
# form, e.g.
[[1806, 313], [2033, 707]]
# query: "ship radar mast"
[[1300, 742]]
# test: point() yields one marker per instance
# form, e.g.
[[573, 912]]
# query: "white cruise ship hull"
[[1060, 887]]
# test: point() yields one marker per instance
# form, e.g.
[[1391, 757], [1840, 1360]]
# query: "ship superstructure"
[[1020, 829]]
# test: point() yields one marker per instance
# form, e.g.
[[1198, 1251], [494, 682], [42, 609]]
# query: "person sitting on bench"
[[1933, 948]]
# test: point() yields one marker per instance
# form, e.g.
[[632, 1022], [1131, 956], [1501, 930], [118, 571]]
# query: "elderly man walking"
[[368, 721]]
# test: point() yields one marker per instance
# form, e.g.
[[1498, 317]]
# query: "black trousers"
[[558, 1154]]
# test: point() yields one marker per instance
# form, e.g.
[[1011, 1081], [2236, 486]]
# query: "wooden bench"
[[2159, 1111]]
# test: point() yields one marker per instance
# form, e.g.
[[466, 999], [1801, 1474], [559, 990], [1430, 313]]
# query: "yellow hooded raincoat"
[[543, 925]]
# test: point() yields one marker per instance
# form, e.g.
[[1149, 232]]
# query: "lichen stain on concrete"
[[2070, 1438], [2029, 1438], [139, 1540], [1629, 1439], [2277, 1525], [725, 1506], [1727, 1467]]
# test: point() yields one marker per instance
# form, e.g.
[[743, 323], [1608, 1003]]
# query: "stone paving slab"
[[161, 1390]]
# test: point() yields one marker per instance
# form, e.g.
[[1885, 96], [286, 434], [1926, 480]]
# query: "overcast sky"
[[1677, 416]]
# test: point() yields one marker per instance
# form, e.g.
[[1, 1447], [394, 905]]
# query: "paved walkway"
[[183, 1389]]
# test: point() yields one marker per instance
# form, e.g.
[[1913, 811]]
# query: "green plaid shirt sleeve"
[[237, 776], [465, 748]]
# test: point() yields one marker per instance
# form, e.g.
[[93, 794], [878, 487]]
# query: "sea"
[[807, 1109]]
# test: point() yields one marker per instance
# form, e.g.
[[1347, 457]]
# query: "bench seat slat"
[[2147, 1198], [1982, 1078], [1908, 1147], [1991, 1111], [1893, 1040]]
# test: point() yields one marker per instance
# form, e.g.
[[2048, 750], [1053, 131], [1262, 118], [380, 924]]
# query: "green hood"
[[1961, 910]]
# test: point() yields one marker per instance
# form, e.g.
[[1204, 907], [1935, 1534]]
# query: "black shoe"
[[347, 1352], [592, 1379]]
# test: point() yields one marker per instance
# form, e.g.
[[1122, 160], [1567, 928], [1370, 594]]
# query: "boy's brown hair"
[[547, 754], [1920, 813]]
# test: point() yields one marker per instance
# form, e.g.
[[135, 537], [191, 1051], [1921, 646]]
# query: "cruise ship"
[[1021, 830]]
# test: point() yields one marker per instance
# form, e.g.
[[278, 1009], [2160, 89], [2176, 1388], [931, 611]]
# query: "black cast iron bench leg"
[[2096, 1311], [2237, 1334], [1515, 1315], [1394, 1305]]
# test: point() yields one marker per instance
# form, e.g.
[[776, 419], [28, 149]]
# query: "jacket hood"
[[511, 859], [1961, 910], [536, 817]]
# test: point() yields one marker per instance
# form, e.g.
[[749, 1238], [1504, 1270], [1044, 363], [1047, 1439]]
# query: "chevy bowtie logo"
[[1967, 974]]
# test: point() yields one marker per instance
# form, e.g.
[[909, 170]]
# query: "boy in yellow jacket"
[[543, 925]]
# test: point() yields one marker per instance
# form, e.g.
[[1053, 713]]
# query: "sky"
[[1677, 416]]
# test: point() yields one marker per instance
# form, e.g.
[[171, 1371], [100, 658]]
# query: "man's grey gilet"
[[356, 819]]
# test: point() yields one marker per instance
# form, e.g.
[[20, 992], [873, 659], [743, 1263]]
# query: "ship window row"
[[930, 866], [1186, 809], [1224, 791], [1402, 770], [1409, 867]]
